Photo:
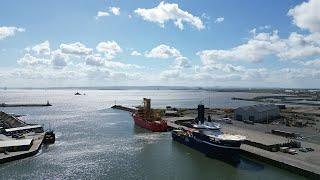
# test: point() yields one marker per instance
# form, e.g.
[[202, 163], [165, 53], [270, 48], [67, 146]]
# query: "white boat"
[[206, 125]]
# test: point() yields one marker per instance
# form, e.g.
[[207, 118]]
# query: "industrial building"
[[257, 113]]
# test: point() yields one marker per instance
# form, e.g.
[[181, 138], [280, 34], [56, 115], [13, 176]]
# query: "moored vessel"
[[212, 143], [147, 118], [209, 139]]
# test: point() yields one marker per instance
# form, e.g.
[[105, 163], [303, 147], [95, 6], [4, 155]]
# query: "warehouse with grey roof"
[[257, 113]]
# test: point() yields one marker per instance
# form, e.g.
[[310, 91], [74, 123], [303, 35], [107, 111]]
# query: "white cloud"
[[97, 74], [60, 67], [300, 46], [306, 15], [101, 14], [254, 50], [29, 60], [209, 65], [109, 48], [219, 20], [59, 59], [296, 74], [9, 31], [76, 48], [258, 74], [170, 74], [25, 74], [114, 10], [135, 53], [48, 76], [163, 51], [42, 48], [249, 75], [56, 58], [262, 45], [205, 16], [216, 78], [165, 12], [312, 63], [182, 62], [98, 61], [108, 74], [94, 60], [264, 27], [120, 65]]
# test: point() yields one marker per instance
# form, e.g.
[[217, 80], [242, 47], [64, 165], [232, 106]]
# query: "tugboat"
[[49, 137], [208, 139], [147, 118]]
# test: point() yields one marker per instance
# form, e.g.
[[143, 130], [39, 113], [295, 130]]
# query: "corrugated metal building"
[[257, 113]]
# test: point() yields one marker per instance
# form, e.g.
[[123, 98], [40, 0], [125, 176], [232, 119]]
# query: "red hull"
[[155, 126]]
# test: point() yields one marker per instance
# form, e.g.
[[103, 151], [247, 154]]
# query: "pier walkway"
[[36, 145], [24, 105], [123, 108], [301, 164]]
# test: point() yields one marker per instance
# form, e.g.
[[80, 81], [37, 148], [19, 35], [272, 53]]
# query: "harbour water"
[[96, 142]]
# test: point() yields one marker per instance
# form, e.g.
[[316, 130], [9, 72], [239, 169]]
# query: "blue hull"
[[230, 155]]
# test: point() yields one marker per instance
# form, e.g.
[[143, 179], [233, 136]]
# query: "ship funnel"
[[201, 113], [147, 104]]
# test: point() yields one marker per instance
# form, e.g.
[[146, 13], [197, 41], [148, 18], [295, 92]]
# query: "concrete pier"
[[36, 145], [24, 105], [132, 110], [293, 163], [304, 163], [18, 139]]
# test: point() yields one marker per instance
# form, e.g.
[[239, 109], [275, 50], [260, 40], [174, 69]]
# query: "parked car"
[[292, 151], [310, 149], [303, 149], [284, 149], [248, 122]]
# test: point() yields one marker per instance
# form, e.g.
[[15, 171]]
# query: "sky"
[[226, 43]]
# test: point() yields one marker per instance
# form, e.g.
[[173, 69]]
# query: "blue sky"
[[243, 43]]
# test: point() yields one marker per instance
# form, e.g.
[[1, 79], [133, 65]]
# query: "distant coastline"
[[217, 89]]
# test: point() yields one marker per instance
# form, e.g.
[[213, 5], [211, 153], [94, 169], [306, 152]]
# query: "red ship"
[[147, 118]]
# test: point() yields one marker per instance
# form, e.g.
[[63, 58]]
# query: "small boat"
[[77, 94], [49, 137]]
